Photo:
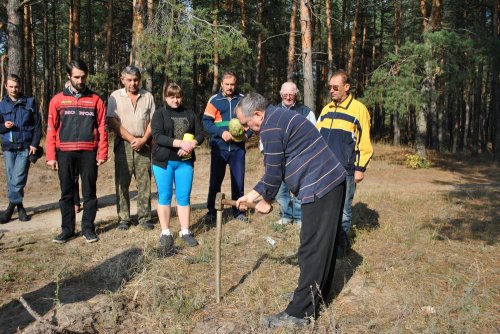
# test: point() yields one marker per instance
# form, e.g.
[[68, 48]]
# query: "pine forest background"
[[428, 70]]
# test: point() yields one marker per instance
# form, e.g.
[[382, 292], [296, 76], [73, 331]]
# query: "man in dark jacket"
[[225, 149], [20, 131], [295, 153]]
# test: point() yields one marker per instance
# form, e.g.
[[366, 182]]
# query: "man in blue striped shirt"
[[295, 152]]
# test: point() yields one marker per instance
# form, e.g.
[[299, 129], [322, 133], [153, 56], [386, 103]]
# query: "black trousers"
[[321, 221], [72, 164]]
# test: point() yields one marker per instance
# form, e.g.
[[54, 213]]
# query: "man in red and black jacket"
[[77, 140]]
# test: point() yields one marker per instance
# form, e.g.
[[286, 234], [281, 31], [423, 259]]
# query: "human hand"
[[8, 124], [52, 164], [187, 146], [138, 143], [358, 176], [263, 207], [100, 161], [182, 153], [32, 150], [226, 136]]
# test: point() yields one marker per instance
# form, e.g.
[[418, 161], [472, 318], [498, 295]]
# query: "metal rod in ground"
[[218, 237]]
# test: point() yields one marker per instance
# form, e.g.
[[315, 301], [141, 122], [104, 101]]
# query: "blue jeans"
[[16, 170], [289, 206], [350, 188]]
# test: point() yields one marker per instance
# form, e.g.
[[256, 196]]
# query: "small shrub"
[[415, 161]]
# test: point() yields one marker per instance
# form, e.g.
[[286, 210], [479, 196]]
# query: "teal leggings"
[[180, 172]]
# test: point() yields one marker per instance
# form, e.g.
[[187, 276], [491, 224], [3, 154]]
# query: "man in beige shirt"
[[130, 110]]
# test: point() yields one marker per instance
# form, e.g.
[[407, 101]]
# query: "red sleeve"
[[102, 133], [52, 127]]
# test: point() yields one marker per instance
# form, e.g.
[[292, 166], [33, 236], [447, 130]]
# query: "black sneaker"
[[242, 218], [90, 236], [167, 243], [283, 319], [189, 240], [148, 225], [123, 225], [63, 237], [209, 219]]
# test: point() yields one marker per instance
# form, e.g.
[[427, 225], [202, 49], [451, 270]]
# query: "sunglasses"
[[335, 88]]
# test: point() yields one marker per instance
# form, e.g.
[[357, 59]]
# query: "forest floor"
[[425, 259]]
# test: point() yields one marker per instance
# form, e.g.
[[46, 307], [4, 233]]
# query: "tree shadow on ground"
[[475, 202], [105, 277]]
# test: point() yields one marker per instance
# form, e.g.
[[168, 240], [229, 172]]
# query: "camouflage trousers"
[[130, 163]]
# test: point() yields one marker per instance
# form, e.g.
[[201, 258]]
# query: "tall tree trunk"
[[74, 30], [436, 14], [362, 67], [28, 83], [109, 34], [476, 112], [47, 66], [244, 16], [90, 36], [305, 24], [396, 138], [149, 68], [353, 38], [495, 85], [329, 37], [215, 84], [291, 42], [139, 7], [56, 53], [397, 25], [259, 57], [423, 11], [15, 37]]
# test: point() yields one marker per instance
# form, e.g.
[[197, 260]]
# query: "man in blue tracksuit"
[[224, 148], [20, 130]]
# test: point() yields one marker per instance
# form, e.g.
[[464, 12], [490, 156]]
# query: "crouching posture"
[[295, 153]]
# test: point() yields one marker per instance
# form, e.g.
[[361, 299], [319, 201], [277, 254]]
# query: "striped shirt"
[[295, 152]]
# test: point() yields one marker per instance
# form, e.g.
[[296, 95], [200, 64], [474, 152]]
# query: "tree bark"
[[27, 79], [329, 38], [109, 45], [353, 38], [423, 11], [259, 56], [215, 84], [495, 86], [90, 36], [305, 24], [15, 38], [291, 42], [149, 68], [243, 16], [47, 66], [137, 30]]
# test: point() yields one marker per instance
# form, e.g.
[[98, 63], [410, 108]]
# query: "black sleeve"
[[158, 130]]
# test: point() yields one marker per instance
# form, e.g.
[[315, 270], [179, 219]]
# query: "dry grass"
[[422, 238]]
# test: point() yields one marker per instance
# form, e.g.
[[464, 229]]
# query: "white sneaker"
[[283, 221]]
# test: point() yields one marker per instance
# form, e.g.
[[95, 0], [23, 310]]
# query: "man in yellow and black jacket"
[[344, 123]]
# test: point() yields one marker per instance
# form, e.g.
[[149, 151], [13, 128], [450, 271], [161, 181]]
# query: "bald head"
[[289, 93]]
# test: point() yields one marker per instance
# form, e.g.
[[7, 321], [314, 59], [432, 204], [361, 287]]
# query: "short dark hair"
[[77, 63], [15, 78], [345, 77], [132, 70], [229, 74], [252, 102]]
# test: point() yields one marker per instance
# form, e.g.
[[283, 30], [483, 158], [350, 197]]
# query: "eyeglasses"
[[288, 96], [335, 88]]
